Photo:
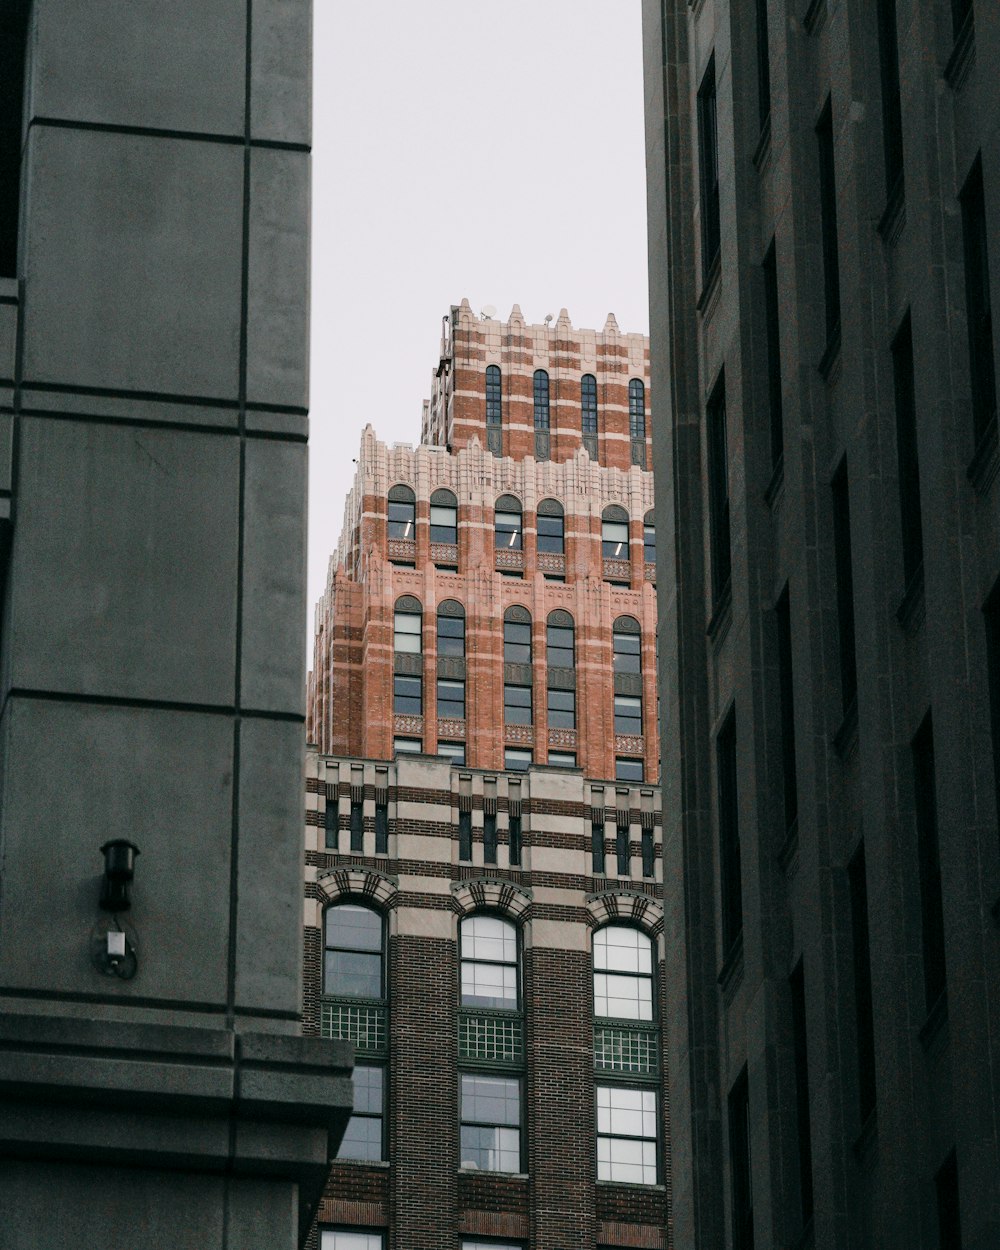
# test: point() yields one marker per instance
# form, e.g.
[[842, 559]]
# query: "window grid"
[[625, 1049], [541, 399], [364, 1024], [484, 1037], [636, 409], [588, 404], [494, 395]]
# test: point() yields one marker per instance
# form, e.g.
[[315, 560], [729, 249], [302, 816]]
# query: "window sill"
[[815, 17], [731, 973], [845, 740], [986, 459], [830, 360], [706, 303], [762, 152], [933, 1033], [775, 486], [382, 1164], [657, 1188], [722, 617], [963, 55], [910, 613], [470, 1169], [893, 219]]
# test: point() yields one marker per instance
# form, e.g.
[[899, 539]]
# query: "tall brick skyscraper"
[[483, 834]]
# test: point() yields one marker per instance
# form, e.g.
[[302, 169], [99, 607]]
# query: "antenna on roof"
[[488, 312], [548, 318]]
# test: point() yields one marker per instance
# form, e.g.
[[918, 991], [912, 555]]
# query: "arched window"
[[626, 639], [517, 636], [627, 1114], [517, 679], [493, 395], [508, 523], [559, 640], [451, 629], [354, 970], [649, 538], [406, 625], [402, 512], [541, 396], [490, 1102], [561, 690], [636, 408], [444, 517], [588, 404], [614, 533], [551, 527]]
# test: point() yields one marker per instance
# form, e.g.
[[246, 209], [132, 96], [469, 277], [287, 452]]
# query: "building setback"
[[823, 183], [482, 914]]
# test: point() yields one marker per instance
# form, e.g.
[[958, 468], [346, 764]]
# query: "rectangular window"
[[406, 746], [561, 710], [708, 160], [614, 540], [782, 614], [929, 857], [516, 705], [627, 652], [331, 824], [451, 635], [350, 1239], [508, 530], [626, 1135], [622, 851], [718, 493], [597, 846], [407, 696], [464, 835], [357, 826], [946, 1193], [381, 829], [828, 222], [516, 642], [628, 714], [401, 519], [796, 984], [892, 118], [649, 543], [979, 310], [491, 1123], [451, 699], [514, 840], [763, 66], [516, 759], [739, 1163], [777, 420], [454, 751], [647, 852], [906, 452], [730, 867], [628, 769], [562, 759], [857, 879], [550, 534], [406, 635], [559, 646], [444, 524], [363, 1136], [845, 586], [992, 614], [489, 839]]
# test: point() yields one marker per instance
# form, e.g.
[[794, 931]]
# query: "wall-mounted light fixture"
[[119, 869]]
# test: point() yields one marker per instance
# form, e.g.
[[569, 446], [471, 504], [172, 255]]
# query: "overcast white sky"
[[491, 149]]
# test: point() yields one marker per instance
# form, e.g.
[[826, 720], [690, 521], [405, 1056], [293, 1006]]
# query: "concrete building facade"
[[823, 187], [155, 1086], [474, 882]]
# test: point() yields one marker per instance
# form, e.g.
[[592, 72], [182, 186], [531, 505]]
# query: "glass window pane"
[[442, 515], [550, 534], [354, 928], [335, 1239], [489, 985], [508, 530], [562, 759], [491, 1099], [367, 1084], [623, 950], [362, 1138], [627, 769], [623, 997], [407, 632], [631, 1162], [350, 974], [406, 746], [489, 937], [491, 1149], [516, 759], [401, 520], [614, 540]]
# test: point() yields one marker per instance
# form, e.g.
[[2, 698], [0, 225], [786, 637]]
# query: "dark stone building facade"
[[824, 182]]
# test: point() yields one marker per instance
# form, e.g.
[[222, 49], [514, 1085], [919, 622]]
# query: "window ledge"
[[384, 1164], [706, 300], [866, 1143], [815, 17], [775, 486], [893, 219], [830, 360], [657, 1188], [469, 1169], [963, 55], [762, 152], [910, 613], [845, 740], [933, 1033], [722, 617], [731, 973], [788, 853], [986, 459]]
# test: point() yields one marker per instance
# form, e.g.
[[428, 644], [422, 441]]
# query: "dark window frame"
[[636, 409], [932, 934], [351, 901], [588, 404], [978, 302], [844, 573], [494, 395], [720, 536], [907, 452], [741, 1187], [828, 221], [773, 326], [708, 172], [892, 117], [730, 854], [541, 402]]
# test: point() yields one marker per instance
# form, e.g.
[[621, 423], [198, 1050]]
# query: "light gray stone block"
[[281, 71], [92, 66], [124, 579], [278, 322], [151, 302], [274, 555]]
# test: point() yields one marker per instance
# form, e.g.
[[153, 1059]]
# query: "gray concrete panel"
[[274, 576], [125, 577], [281, 69], [277, 317], [133, 265], [92, 66], [269, 920], [162, 779], [8, 341]]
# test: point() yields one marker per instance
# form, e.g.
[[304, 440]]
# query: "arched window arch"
[[636, 408], [508, 523], [402, 512], [540, 388], [588, 404], [517, 636], [451, 629], [517, 679], [444, 517], [649, 538], [406, 625], [561, 678], [626, 637], [490, 965], [355, 992], [551, 527], [626, 1050], [560, 638], [494, 395], [614, 533]]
